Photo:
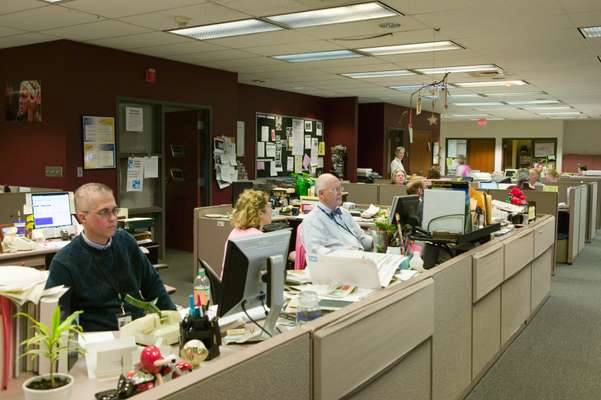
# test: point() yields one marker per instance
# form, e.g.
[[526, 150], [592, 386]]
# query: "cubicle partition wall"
[[591, 203], [388, 191], [587, 179], [362, 193], [279, 368], [210, 235], [578, 202]]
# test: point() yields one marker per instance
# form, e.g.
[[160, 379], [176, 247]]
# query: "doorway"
[[481, 154], [420, 153], [186, 139]]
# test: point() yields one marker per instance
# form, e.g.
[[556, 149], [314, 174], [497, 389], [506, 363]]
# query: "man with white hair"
[[103, 265], [328, 227]]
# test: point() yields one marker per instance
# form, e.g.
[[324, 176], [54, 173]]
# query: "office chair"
[[214, 280]]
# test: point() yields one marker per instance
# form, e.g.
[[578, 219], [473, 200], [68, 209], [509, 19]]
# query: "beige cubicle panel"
[[279, 368], [577, 225], [362, 193], [515, 303], [519, 250], [381, 349], [487, 269], [544, 236], [486, 331], [588, 179], [210, 235], [452, 343], [541, 278], [388, 191]]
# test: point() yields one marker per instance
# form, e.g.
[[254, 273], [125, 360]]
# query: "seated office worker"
[[252, 212], [328, 227], [396, 164], [102, 265]]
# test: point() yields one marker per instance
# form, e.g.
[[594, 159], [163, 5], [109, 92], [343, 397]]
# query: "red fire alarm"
[[482, 122], [151, 75]]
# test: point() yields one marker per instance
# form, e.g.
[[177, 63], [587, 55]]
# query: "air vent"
[[487, 74]]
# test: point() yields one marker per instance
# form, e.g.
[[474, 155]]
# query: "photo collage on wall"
[[286, 145]]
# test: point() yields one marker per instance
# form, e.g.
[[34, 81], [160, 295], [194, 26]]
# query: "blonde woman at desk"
[[252, 212]]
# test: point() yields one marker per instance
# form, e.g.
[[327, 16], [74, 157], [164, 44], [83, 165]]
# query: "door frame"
[[160, 120]]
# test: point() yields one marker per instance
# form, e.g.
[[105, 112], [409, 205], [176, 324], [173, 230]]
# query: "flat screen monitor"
[[489, 185], [51, 210], [408, 208], [511, 172], [247, 282], [238, 188]]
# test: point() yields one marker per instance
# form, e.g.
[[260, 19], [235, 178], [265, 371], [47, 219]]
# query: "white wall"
[[582, 137], [500, 130]]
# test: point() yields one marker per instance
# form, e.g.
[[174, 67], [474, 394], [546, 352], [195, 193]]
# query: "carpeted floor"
[[558, 355], [178, 274]]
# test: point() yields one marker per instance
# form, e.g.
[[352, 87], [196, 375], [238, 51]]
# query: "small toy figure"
[[163, 368], [194, 352], [517, 197]]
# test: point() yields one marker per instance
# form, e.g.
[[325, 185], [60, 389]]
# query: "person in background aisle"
[[552, 177], [252, 212], [328, 227], [434, 172], [463, 170], [103, 265], [540, 168], [533, 180], [396, 164]]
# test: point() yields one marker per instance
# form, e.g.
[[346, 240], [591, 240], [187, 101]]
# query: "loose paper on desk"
[[270, 150], [322, 148], [134, 119], [260, 149], [151, 167], [318, 128], [135, 174], [297, 137], [298, 164], [314, 150], [264, 133], [307, 142], [290, 164]]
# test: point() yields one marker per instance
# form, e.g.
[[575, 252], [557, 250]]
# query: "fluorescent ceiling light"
[[465, 68], [409, 88], [52, 1], [528, 102], [548, 108], [490, 83], [494, 109], [378, 74], [411, 48], [336, 15], [561, 113], [318, 56], [512, 94], [591, 31], [471, 115], [227, 29], [483, 103]]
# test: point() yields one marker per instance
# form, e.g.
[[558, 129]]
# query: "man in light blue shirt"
[[328, 227]]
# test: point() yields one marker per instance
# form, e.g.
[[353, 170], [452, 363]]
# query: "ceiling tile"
[[38, 19], [141, 40], [24, 39], [120, 8], [262, 8], [10, 6], [192, 46], [4, 31], [202, 14], [96, 30], [300, 47]]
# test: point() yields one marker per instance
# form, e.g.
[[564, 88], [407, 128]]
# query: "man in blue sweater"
[[102, 265]]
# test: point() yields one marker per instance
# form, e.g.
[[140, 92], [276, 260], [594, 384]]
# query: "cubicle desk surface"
[[32, 258]]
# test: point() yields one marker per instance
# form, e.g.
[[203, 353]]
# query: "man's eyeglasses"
[[338, 189], [105, 212]]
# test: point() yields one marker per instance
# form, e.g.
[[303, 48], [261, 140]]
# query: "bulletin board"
[[288, 144]]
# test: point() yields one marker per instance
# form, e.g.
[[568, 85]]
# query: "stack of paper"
[[22, 284]]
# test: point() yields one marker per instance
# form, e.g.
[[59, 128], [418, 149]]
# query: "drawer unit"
[[519, 251], [487, 267], [544, 236]]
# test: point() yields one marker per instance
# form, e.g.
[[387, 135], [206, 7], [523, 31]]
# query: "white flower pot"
[[61, 393]]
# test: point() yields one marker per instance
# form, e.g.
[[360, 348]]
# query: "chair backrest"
[[299, 259]]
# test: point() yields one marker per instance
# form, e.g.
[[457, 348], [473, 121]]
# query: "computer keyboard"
[[275, 226]]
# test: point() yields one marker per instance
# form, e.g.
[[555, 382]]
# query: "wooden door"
[[420, 153], [481, 154], [182, 170]]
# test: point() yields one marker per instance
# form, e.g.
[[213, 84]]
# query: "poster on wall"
[[98, 142], [24, 101]]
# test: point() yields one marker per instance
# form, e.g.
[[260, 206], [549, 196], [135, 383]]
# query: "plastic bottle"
[[308, 307], [20, 225], [417, 263], [202, 289]]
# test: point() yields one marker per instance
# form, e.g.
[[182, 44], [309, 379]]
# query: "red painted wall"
[[342, 127]]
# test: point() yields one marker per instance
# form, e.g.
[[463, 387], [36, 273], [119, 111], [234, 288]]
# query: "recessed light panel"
[[464, 68], [530, 102], [478, 104], [408, 88], [561, 113], [227, 29], [514, 94], [591, 31], [336, 15], [411, 48], [378, 74], [491, 83], [551, 108], [318, 56]]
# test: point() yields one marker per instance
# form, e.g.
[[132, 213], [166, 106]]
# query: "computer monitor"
[[488, 185], [238, 188], [51, 210], [511, 172], [408, 209], [254, 271]]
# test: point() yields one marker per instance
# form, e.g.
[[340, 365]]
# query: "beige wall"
[[504, 129], [582, 137]]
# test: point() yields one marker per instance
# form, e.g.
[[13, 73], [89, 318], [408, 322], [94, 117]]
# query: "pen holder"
[[202, 329]]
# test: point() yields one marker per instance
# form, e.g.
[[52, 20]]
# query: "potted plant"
[[384, 232], [48, 342]]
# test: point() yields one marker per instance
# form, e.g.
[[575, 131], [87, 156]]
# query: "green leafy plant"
[[383, 225], [48, 342]]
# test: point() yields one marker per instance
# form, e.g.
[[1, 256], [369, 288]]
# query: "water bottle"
[[202, 289], [308, 307]]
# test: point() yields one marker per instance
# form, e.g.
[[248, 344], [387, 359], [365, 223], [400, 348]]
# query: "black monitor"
[[408, 208], [237, 189], [254, 271]]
